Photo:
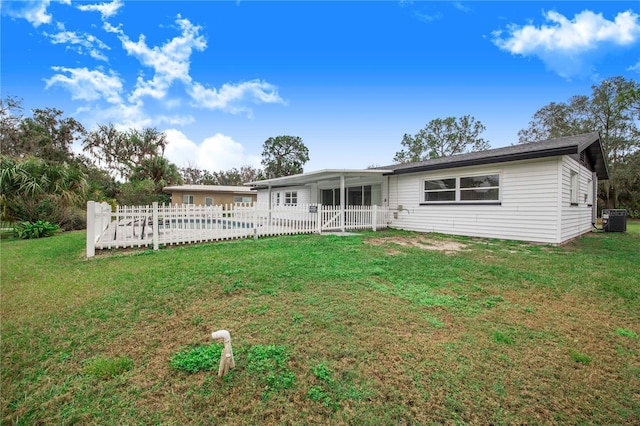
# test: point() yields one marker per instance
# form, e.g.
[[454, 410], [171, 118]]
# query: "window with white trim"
[[589, 195], [208, 201], [464, 189], [240, 199], [275, 198], [187, 199], [291, 198], [439, 190], [574, 188]]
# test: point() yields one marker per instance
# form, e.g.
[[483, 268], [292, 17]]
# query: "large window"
[[465, 189], [187, 199]]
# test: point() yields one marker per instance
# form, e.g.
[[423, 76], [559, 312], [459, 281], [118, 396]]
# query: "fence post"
[[319, 219], [255, 221], [374, 217], [155, 225], [91, 228]]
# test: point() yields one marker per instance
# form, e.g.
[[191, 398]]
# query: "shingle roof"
[[588, 143]]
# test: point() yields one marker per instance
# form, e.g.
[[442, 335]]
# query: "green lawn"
[[378, 328]]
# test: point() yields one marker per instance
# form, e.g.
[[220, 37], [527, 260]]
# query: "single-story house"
[[540, 192], [210, 195]]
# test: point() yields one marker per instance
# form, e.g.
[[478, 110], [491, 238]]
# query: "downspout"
[[594, 198], [559, 190]]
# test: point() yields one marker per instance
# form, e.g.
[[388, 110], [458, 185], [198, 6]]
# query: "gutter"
[[488, 160]]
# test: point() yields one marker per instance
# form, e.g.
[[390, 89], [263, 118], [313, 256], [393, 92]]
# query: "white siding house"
[[541, 192]]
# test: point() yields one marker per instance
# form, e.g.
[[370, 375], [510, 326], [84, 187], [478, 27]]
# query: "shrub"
[[39, 229]]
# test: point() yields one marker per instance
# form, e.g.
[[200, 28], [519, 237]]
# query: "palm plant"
[[32, 188]]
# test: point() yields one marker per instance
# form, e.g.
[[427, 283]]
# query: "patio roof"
[[315, 176], [209, 188]]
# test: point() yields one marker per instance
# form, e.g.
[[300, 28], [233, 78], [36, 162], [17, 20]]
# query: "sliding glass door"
[[355, 196]]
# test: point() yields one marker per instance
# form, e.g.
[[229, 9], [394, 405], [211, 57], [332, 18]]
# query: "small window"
[[239, 199], [291, 198], [208, 201], [275, 198], [574, 188], [187, 199]]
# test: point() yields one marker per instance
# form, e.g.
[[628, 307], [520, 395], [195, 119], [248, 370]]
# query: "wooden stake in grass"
[[227, 361]]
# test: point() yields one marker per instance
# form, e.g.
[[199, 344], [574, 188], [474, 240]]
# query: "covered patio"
[[340, 188]]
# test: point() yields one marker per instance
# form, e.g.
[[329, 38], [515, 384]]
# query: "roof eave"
[[490, 160]]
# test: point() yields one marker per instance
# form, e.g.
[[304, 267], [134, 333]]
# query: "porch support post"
[[374, 217], [342, 202], [270, 203]]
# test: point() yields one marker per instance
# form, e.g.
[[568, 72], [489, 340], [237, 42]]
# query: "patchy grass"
[[107, 368], [380, 328]]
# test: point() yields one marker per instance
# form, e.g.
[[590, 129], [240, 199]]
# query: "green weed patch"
[[198, 358]]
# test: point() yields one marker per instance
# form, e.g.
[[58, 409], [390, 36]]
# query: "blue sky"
[[349, 78]]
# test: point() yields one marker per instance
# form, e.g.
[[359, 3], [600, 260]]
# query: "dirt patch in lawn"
[[448, 247]]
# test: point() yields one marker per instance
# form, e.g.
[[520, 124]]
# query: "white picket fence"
[[136, 226]]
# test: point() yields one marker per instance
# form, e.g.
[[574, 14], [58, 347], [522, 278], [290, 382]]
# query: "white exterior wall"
[[529, 203], [304, 194], [575, 220]]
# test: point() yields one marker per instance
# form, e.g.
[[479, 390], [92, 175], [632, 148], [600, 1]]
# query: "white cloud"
[[231, 97], [85, 43], [461, 7], [34, 11], [87, 85], [565, 45], [170, 62], [146, 103], [218, 152], [424, 17], [125, 116], [635, 67], [107, 10]]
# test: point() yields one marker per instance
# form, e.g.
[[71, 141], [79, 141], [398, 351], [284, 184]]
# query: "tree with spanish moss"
[[123, 151], [611, 109]]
